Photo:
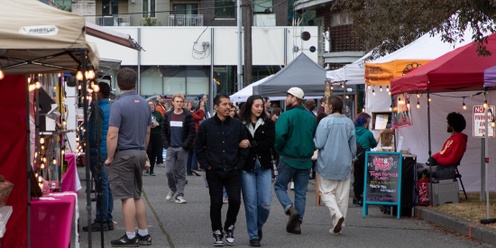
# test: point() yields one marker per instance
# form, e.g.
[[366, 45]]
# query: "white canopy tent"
[[247, 91], [351, 73]]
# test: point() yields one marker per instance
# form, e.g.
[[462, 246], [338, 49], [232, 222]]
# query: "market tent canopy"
[[301, 72], [247, 91], [351, 73], [490, 77], [37, 38], [426, 48], [461, 69]]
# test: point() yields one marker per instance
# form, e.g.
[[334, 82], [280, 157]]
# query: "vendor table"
[[51, 220]]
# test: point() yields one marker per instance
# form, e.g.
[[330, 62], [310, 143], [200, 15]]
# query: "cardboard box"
[[446, 191]]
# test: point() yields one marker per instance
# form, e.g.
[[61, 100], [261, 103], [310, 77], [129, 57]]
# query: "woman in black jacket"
[[257, 172]]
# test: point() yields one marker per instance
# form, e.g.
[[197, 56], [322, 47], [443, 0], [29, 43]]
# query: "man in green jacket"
[[295, 130]]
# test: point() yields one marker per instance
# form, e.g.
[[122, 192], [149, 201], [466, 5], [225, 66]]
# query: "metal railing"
[[186, 20], [120, 20]]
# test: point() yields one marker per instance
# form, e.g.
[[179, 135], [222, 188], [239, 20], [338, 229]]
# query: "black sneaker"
[[110, 225], [230, 235], [124, 241], [96, 227], [260, 234], [218, 238], [255, 242], [144, 240]]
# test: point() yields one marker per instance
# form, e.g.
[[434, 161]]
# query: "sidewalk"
[[188, 225]]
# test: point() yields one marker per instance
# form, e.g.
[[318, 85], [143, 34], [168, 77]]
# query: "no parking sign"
[[479, 121]]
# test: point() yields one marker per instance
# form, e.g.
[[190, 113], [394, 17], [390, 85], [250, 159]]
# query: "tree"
[[391, 24]]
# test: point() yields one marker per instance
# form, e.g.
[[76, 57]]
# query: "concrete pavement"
[[188, 225]]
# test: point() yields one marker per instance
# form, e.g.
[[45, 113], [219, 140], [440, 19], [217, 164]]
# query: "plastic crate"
[[446, 191]]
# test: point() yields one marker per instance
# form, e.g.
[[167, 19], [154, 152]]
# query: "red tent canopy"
[[460, 69]]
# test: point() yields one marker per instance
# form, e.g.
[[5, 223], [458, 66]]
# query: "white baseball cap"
[[297, 92]]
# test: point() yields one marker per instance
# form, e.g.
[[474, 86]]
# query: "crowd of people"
[[241, 151]]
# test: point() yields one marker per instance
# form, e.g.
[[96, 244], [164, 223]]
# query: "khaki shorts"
[[125, 174]]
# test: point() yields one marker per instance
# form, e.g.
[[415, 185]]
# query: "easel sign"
[[382, 180]]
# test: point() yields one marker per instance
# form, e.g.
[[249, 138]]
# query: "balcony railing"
[[185, 20], [121, 20]]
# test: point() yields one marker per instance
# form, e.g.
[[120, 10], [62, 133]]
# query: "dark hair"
[[236, 116], [246, 111], [104, 89], [321, 116], [276, 111], [126, 79], [456, 121], [361, 119], [218, 98], [337, 104]]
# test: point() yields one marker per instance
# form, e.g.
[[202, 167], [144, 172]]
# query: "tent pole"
[[86, 142], [29, 158], [429, 152]]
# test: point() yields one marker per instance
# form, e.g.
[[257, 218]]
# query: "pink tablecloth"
[[51, 221]]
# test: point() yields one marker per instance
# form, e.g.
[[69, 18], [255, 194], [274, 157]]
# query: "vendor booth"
[[38, 45], [453, 82]]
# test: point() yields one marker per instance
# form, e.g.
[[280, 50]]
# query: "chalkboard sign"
[[382, 180]]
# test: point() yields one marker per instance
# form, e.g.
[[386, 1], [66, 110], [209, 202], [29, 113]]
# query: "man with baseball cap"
[[295, 130]]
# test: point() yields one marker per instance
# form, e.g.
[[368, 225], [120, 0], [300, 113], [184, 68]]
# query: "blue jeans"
[[300, 179], [106, 202], [257, 195]]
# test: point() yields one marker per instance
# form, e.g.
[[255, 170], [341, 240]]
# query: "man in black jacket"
[[178, 134], [218, 152]]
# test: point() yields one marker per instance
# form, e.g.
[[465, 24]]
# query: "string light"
[[485, 104], [387, 88], [429, 99], [368, 86], [380, 88], [373, 92], [408, 103], [464, 106], [2, 75], [418, 104], [79, 75]]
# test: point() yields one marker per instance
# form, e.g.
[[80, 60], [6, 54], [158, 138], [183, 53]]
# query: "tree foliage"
[[390, 24]]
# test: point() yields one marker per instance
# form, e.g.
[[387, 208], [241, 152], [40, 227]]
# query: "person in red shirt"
[[453, 149]]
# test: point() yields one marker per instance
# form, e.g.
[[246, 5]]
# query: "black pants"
[[358, 182], [231, 180], [154, 149]]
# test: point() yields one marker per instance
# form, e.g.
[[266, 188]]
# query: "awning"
[[112, 36]]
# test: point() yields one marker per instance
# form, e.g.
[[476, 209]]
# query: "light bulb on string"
[[79, 75], [54, 161], [380, 88], [391, 107], [387, 89], [418, 104], [373, 92], [464, 106], [418, 96], [408, 104], [2, 75], [485, 104], [369, 87], [342, 86], [429, 99], [42, 140]]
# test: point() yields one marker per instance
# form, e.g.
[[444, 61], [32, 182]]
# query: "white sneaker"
[[180, 200], [291, 185], [170, 195], [225, 200]]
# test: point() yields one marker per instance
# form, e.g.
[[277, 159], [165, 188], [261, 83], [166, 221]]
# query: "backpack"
[[360, 153]]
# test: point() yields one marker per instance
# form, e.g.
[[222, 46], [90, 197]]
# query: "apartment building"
[[338, 46], [192, 46]]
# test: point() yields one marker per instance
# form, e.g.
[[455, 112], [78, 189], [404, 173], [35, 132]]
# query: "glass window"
[[224, 8], [149, 8], [263, 6], [151, 81], [197, 81], [185, 8], [338, 19]]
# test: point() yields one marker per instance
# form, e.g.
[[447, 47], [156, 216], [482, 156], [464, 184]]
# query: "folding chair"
[[458, 177]]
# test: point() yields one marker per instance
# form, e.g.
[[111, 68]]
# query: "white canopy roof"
[[37, 38]]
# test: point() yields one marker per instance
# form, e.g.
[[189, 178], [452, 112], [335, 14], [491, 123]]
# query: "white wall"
[[174, 45]]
